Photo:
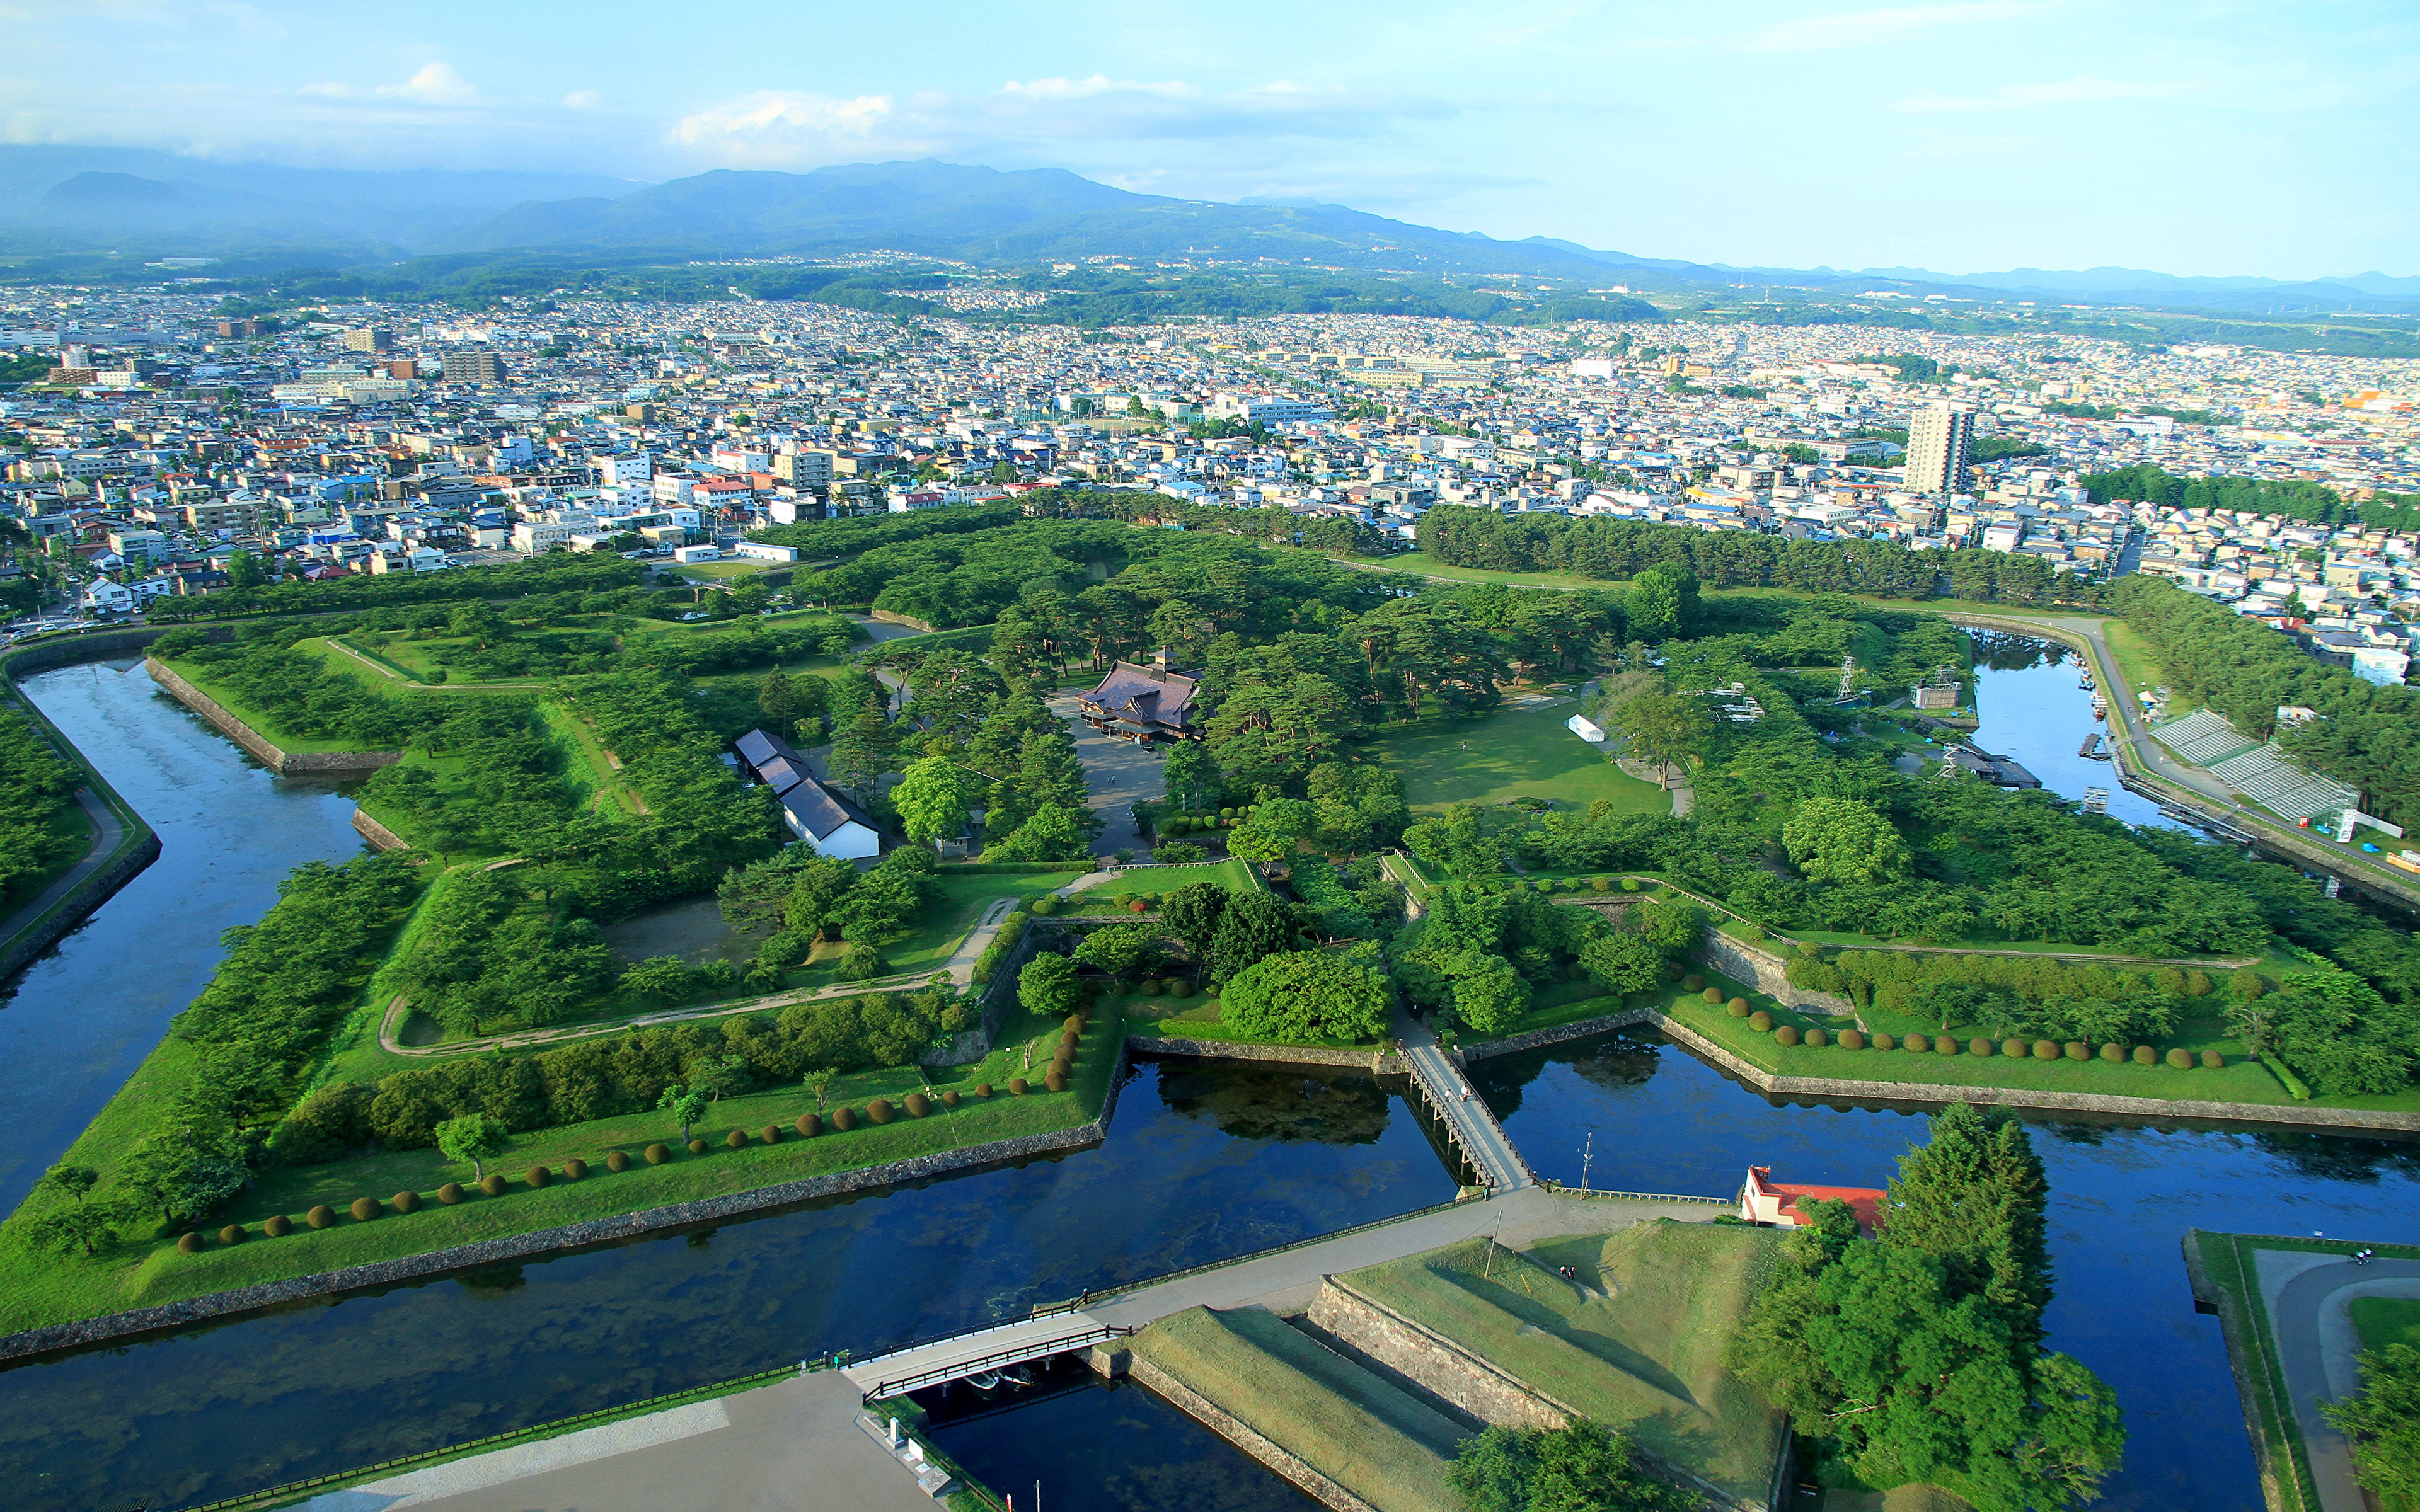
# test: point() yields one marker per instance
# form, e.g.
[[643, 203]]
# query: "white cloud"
[[1872, 28], [773, 126], [2082, 90], [435, 83], [583, 99]]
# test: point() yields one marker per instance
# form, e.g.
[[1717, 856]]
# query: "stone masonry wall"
[[1767, 972], [284, 764], [1442, 1366]]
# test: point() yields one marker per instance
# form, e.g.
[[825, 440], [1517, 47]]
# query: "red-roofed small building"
[[1763, 1200]]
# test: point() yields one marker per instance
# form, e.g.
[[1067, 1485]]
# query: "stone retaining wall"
[[378, 834], [284, 764], [2133, 1107], [888, 617], [1245, 1437], [1173, 1047], [1765, 971], [61, 1337], [1577, 1029], [1478, 1387], [2243, 1357]]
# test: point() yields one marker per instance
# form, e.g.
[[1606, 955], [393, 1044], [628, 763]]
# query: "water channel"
[[1202, 1162]]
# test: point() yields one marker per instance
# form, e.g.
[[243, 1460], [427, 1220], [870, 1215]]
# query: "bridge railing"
[[1017, 1354]]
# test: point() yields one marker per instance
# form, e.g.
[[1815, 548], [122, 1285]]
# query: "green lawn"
[[146, 1269], [2136, 661], [1509, 754], [2385, 1320], [1637, 1342], [963, 898], [1097, 899], [1348, 1424]]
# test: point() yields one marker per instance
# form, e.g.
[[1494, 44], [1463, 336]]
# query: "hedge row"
[[1012, 929], [2177, 1059]]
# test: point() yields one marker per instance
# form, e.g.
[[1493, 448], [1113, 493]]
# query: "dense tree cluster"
[[550, 573], [1312, 995], [1580, 1466], [486, 952], [1915, 1356], [2367, 736], [1479, 954], [37, 787], [302, 693], [2149, 483]]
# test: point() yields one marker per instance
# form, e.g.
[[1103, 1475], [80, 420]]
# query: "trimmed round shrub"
[[1045, 905], [405, 1201], [770, 1134], [657, 1154], [1019, 1086], [880, 1110], [1738, 1008], [2181, 1060], [1138, 906], [2146, 1055], [451, 1193], [2113, 1053], [2015, 1049], [1073, 1026], [1818, 1038], [808, 1125], [1980, 1046], [2213, 1061], [919, 1105], [1760, 1020], [536, 1176], [844, 1119], [2078, 1050], [735, 1140], [575, 1170], [699, 1147], [191, 1244], [493, 1183], [1226, 813], [617, 1161], [1630, 884], [1180, 988], [232, 1234], [2045, 1050], [1067, 1044], [320, 1216], [1944, 1045], [983, 1089], [1712, 995], [1151, 987], [1693, 982], [1851, 1040], [1882, 1041], [1055, 1078], [1600, 885], [1753, 935], [950, 1098], [279, 1226], [1785, 1035], [1060, 1066], [1917, 1043]]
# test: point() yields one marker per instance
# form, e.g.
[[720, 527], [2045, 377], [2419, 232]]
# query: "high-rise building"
[[473, 367], [1940, 438]]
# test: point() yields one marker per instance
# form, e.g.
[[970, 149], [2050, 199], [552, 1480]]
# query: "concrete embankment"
[[283, 762]]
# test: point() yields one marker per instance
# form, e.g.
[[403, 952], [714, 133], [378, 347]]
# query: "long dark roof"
[[821, 809], [1145, 694]]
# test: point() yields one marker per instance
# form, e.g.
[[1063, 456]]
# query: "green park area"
[[1509, 754]]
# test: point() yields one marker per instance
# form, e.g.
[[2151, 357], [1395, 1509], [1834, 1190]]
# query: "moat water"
[[1202, 1162]]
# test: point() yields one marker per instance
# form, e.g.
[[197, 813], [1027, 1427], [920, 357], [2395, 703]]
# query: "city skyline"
[[1965, 137]]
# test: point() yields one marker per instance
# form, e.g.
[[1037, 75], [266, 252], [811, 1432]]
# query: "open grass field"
[[1509, 754], [146, 1269], [1345, 1422], [2385, 1320], [961, 905], [2136, 661], [1638, 1342], [1161, 880]]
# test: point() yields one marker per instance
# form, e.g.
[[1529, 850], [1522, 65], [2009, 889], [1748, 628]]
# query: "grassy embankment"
[[2240, 1080], [1637, 1341], [1344, 1420], [36, 1291], [261, 723]]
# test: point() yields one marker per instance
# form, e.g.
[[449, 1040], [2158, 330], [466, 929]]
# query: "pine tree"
[[1974, 1197], [866, 750]]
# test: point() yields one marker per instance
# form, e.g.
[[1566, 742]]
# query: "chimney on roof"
[[1159, 663]]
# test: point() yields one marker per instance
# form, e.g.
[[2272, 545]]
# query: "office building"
[[1940, 439], [369, 339]]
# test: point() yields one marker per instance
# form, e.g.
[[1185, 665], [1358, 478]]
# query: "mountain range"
[[70, 198]]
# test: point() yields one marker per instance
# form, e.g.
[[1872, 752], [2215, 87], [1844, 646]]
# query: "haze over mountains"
[[62, 198]]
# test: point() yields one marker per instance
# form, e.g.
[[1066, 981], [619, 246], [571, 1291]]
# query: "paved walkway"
[[1118, 773], [960, 967], [107, 832], [2310, 1298], [790, 1445]]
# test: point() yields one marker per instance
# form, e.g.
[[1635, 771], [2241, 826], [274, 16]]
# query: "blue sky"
[[2214, 137]]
